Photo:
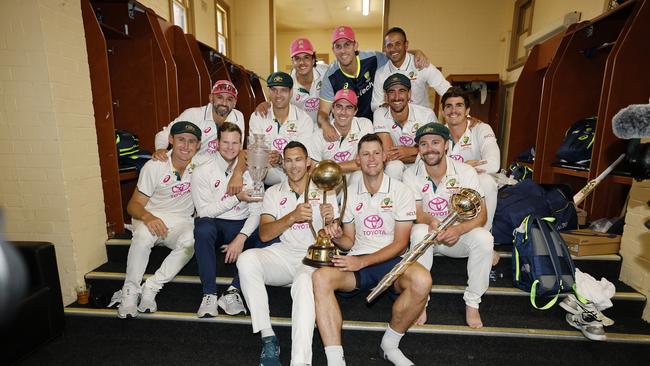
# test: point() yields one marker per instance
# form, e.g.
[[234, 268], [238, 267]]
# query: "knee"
[[484, 241], [142, 238], [247, 262], [419, 281], [204, 228], [186, 240], [322, 280], [418, 232]]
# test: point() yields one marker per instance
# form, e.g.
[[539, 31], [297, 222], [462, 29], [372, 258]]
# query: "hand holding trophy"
[[327, 175], [257, 160]]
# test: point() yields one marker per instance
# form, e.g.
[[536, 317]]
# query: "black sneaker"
[[270, 352]]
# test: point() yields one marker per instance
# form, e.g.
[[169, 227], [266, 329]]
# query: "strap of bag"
[[524, 223], [544, 230]]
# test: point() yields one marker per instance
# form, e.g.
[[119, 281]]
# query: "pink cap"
[[341, 32], [301, 45], [348, 95], [224, 86]]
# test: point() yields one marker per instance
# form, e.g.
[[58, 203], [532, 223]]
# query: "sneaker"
[[231, 303], [270, 352], [148, 300], [208, 306], [574, 306], [128, 303], [588, 325]]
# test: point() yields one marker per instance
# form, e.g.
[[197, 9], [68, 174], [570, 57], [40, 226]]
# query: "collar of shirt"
[[207, 114], [292, 116], [354, 128], [410, 118], [467, 132], [316, 76], [225, 167], [405, 65], [174, 172], [384, 188], [356, 75]]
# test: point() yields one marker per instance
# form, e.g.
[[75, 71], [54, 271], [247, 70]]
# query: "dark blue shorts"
[[367, 278]]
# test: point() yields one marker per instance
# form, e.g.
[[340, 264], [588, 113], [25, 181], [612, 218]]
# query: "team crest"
[[318, 85], [387, 203], [367, 75], [465, 139], [451, 182], [277, 79], [411, 75], [292, 127]]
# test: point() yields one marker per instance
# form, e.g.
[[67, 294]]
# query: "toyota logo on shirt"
[[406, 140], [342, 156], [457, 157], [280, 143], [373, 222], [213, 146], [438, 206], [180, 189], [311, 103]]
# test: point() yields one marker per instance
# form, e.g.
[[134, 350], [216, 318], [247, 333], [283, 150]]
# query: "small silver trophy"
[[257, 160]]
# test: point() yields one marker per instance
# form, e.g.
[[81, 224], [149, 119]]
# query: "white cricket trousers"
[[491, 189], [180, 239], [477, 246], [279, 265]]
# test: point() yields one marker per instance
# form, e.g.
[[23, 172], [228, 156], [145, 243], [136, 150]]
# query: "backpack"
[[526, 198], [519, 171], [541, 262], [129, 155], [578, 141]]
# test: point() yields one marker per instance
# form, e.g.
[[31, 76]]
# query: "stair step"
[[555, 334], [607, 266], [445, 307]]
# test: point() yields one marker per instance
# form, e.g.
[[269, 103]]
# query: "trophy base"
[[255, 194], [316, 263]]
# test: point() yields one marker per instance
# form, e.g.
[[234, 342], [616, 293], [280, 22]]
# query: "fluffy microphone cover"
[[632, 122]]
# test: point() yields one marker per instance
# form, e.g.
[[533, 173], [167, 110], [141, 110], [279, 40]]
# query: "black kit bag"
[[578, 142], [130, 156]]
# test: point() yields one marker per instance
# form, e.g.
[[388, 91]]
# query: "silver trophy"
[[257, 160]]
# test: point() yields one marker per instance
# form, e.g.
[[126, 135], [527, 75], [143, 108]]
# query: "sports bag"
[[526, 198], [541, 262], [578, 141]]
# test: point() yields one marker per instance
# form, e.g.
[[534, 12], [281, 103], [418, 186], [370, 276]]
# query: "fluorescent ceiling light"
[[365, 8]]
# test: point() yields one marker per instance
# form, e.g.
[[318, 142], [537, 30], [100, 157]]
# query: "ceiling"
[[326, 14]]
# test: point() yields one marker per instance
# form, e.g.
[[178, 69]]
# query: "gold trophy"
[[327, 175], [465, 205]]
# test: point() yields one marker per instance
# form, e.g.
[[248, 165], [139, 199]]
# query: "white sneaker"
[[128, 303], [588, 325], [574, 306], [232, 303], [208, 306], [148, 300]]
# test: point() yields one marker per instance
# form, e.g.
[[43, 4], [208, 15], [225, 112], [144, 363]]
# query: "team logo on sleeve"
[[167, 178], [342, 156], [283, 201], [438, 206], [359, 206], [425, 188]]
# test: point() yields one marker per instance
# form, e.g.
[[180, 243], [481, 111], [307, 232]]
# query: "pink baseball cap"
[[343, 32], [224, 86], [348, 95], [301, 45]]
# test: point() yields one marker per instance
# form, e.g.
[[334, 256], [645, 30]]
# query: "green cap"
[[279, 79], [185, 127], [432, 129], [397, 78]]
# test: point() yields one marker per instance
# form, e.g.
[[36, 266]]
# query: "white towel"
[[598, 292]]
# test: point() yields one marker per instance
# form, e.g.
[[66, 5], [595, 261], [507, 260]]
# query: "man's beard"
[[432, 159], [404, 105], [222, 110]]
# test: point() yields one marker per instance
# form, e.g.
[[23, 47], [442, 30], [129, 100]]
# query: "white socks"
[[390, 346], [335, 356], [267, 332]]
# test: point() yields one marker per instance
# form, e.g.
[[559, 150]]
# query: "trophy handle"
[[311, 225]]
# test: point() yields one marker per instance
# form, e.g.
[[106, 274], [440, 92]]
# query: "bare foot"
[[422, 318], [495, 258], [472, 317]]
